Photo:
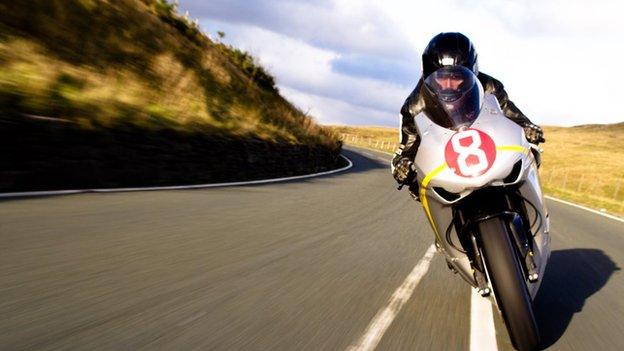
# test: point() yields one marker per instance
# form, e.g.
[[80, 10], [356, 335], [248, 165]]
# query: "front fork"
[[469, 242], [523, 244]]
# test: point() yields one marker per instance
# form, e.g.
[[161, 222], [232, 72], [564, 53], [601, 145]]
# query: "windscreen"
[[453, 97]]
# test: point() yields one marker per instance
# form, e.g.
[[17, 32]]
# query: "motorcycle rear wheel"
[[509, 284]]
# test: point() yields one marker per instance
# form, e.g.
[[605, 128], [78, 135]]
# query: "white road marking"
[[482, 332], [367, 154], [176, 187], [386, 315], [585, 208]]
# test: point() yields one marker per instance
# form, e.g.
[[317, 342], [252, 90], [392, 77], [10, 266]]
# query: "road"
[[301, 265]]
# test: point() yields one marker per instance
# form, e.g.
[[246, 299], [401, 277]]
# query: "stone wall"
[[41, 154]]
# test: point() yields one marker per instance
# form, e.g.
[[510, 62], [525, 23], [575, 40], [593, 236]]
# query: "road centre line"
[[384, 317], [482, 331]]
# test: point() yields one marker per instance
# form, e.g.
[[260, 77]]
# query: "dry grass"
[[137, 62], [380, 138], [583, 164]]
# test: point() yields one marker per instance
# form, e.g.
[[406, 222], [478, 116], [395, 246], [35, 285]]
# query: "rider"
[[448, 49]]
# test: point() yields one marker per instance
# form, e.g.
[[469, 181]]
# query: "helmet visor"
[[457, 95]]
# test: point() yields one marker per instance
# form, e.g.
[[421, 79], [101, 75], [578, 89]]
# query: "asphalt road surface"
[[301, 265]]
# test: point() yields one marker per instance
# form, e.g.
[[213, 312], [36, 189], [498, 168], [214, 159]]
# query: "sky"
[[355, 62]]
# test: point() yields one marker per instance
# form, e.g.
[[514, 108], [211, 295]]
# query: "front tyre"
[[508, 283]]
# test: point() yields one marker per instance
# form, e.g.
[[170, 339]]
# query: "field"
[[582, 164]]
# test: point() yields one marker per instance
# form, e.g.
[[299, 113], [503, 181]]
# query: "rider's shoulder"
[[489, 83], [414, 103]]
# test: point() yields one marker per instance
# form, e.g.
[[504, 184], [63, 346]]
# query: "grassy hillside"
[[583, 164], [138, 63], [125, 93]]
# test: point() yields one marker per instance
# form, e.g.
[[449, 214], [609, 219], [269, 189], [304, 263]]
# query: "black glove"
[[404, 173], [402, 170], [534, 133]]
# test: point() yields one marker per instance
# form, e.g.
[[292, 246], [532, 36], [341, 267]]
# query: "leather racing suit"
[[414, 104]]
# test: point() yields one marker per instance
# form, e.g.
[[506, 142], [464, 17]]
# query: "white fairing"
[[491, 120], [434, 171]]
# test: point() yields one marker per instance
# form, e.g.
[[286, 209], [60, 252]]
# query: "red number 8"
[[470, 152]]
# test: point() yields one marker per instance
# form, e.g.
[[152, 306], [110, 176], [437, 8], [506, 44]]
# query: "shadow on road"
[[571, 277]]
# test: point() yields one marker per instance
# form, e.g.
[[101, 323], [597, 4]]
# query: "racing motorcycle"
[[480, 190]]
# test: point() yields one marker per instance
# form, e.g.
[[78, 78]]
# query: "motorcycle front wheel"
[[508, 283]]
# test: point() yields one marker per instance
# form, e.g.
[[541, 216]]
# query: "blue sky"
[[354, 62]]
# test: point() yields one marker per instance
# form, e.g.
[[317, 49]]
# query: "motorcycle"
[[480, 190]]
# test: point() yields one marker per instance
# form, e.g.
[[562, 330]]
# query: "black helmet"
[[453, 97], [448, 49]]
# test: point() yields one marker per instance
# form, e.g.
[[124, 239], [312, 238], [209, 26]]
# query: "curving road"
[[302, 265]]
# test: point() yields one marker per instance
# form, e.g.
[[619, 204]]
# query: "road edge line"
[[585, 208], [173, 187], [384, 317], [482, 330]]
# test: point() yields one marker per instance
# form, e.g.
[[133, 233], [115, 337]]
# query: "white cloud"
[[549, 54], [334, 111], [339, 25], [557, 17], [558, 59], [304, 69]]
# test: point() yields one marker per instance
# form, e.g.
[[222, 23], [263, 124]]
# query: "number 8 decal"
[[470, 153]]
